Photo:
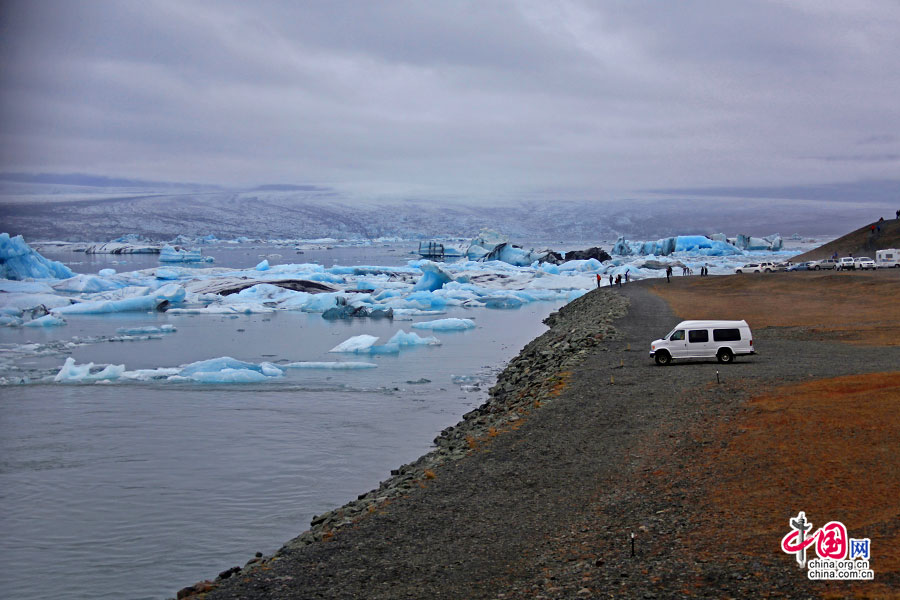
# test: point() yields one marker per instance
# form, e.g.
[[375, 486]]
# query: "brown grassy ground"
[[827, 447], [860, 308]]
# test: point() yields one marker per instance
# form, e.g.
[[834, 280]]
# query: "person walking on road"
[[669, 274]]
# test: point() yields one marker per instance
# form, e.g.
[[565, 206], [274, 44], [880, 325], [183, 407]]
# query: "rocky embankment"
[[530, 380]]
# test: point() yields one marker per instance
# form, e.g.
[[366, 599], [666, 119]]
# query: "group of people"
[[618, 279], [704, 272]]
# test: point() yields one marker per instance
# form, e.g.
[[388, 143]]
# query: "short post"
[[632, 543], [717, 376]]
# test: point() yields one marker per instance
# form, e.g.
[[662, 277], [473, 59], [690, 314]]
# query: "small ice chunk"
[[445, 325], [402, 338], [263, 265], [357, 343], [106, 272], [150, 329]]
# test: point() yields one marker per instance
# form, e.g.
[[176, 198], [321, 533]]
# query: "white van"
[[722, 340], [889, 257]]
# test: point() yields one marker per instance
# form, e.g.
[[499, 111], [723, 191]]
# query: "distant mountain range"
[[99, 209]]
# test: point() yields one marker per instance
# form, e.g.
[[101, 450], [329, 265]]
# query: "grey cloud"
[[467, 97]]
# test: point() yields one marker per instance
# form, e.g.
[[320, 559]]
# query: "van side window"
[[697, 336], [726, 335], [677, 336]]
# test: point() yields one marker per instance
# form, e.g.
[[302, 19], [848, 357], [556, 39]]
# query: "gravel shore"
[[537, 492]]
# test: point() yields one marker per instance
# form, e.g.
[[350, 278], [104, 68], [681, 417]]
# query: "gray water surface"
[[133, 490]]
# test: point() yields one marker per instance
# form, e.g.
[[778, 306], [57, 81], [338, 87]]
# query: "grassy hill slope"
[[861, 242]]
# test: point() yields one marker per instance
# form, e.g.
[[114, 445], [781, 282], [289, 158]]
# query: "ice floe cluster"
[[39, 293]]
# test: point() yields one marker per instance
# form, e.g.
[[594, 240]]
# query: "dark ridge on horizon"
[[289, 187], [875, 190], [89, 180]]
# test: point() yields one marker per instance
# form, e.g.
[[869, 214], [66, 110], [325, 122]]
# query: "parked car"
[[763, 267], [826, 263], [723, 340], [846, 263], [804, 266], [784, 266], [864, 262]]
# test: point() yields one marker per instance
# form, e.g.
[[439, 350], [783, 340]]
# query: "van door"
[[677, 345], [698, 342]]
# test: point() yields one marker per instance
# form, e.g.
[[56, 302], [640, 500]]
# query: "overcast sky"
[[460, 98]]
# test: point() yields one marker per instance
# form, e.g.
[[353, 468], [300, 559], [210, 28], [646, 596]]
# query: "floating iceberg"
[[445, 325], [71, 373], [357, 343], [433, 276], [335, 366], [150, 329], [402, 338], [98, 307], [46, 321], [263, 265], [229, 370], [771, 243], [172, 254], [699, 244], [19, 261], [122, 246]]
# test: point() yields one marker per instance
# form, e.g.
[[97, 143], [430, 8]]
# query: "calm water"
[[135, 490]]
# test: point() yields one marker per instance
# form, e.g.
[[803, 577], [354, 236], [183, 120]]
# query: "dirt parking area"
[[854, 307]]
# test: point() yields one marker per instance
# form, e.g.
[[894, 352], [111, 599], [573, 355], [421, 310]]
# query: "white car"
[[723, 340], [864, 262], [846, 263], [763, 267]]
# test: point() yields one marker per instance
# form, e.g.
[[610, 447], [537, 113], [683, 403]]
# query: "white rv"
[[723, 340], [889, 257]]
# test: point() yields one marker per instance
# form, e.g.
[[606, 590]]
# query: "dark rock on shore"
[[595, 252]]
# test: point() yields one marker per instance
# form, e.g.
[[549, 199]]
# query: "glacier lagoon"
[[149, 484]]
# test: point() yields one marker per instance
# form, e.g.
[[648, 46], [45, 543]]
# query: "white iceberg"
[[402, 338], [172, 254], [357, 343], [19, 261], [446, 325], [71, 372]]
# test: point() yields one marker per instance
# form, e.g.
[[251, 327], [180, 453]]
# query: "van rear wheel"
[[725, 356], [662, 358]]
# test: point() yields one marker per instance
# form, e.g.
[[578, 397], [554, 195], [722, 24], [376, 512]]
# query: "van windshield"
[[676, 335]]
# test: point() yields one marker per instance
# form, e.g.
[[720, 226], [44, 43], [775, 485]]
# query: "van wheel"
[[663, 358], [725, 356], [817, 267]]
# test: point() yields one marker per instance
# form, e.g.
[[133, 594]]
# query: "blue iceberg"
[[19, 261]]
